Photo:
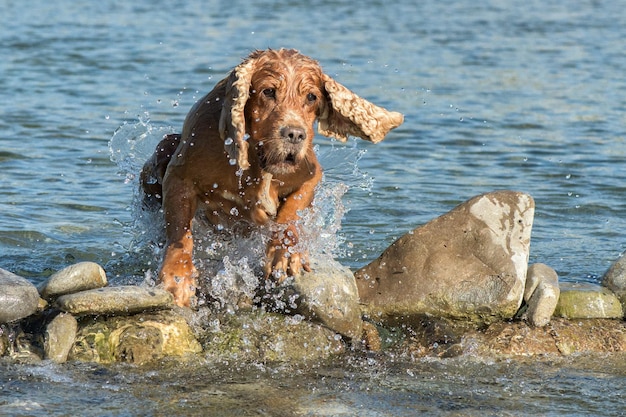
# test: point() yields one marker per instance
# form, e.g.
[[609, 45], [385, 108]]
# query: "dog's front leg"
[[283, 259], [178, 274]]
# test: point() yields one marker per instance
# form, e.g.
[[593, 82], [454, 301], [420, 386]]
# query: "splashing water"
[[230, 264]]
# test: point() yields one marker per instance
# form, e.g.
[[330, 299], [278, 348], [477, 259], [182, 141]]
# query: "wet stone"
[[615, 278], [59, 337], [75, 278], [584, 300], [115, 300], [138, 339], [259, 336], [18, 297], [541, 294], [327, 295]]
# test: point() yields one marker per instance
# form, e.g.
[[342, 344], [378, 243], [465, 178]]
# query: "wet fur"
[[246, 154]]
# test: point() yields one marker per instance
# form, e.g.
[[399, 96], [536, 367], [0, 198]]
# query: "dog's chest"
[[256, 202]]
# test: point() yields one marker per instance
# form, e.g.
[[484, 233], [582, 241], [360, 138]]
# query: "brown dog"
[[246, 153]]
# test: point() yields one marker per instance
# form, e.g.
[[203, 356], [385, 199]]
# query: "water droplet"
[[228, 141], [215, 185], [568, 176], [232, 161], [234, 211]]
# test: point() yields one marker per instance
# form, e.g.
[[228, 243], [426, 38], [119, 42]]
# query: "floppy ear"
[[232, 125], [346, 114]]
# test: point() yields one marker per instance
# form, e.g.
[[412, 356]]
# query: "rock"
[[115, 300], [265, 337], [327, 295], [75, 278], [18, 297], [561, 337], [59, 337], [584, 300], [138, 339], [615, 278], [541, 293], [467, 264]]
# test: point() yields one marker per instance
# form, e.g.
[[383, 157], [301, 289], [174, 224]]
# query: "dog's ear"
[[346, 114], [232, 125]]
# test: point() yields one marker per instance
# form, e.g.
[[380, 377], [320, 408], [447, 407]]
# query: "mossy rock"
[[587, 301], [139, 339]]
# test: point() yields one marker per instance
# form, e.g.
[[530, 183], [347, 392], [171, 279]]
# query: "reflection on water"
[[528, 96]]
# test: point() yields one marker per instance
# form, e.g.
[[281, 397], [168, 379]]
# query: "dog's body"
[[246, 154]]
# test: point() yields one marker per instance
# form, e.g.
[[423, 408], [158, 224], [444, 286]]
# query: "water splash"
[[231, 264]]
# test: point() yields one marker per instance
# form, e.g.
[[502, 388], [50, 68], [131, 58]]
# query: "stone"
[[562, 337], [468, 264], [59, 337], [583, 300], [327, 295], [128, 299], [18, 297], [258, 336], [75, 278], [615, 278], [138, 339], [541, 294]]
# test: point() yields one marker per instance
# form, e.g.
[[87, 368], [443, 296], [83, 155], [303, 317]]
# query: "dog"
[[246, 154]]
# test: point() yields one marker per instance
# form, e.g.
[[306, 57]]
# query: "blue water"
[[528, 96]]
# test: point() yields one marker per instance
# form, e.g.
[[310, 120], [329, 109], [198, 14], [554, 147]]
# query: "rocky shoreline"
[[460, 284]]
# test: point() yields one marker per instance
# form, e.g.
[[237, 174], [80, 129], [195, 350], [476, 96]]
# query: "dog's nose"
[[293, 134]]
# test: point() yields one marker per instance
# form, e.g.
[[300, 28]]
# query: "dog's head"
[[272, 100]]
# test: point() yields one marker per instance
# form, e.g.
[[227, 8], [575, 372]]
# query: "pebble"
[[615, 278], [59, 337], [78, 277], [541, 294], [18, 297], [584, 300], [128, 299]]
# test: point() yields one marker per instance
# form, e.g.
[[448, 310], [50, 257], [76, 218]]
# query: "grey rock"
[[469, 264], [115, 300], [329, 295], [75, 278], [615, 278], [18, 297], [541, 294], [583, 300], [59, 337]]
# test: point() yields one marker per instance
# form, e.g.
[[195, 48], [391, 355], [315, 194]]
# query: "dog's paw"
[[282, 258], [179, 278]]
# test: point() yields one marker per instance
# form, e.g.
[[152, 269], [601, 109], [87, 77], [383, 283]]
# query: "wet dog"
[[246, 154]]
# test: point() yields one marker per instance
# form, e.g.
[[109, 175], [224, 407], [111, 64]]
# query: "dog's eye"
[[269, 92], [311, 97]]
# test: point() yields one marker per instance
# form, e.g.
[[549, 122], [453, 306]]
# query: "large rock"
[[75, 278], [541, 293], [327, 295], [138, 339], [583, 300], [615, 278], [18, 297], [470, 263], [128, 299]]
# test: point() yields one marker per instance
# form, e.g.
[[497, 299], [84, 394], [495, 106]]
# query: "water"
[[528, 97]]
